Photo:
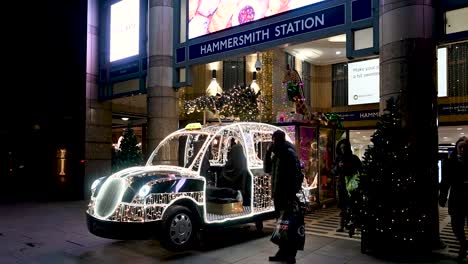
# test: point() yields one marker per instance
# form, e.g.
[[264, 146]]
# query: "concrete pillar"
[[162, 101], [98, 133], [407, 70]]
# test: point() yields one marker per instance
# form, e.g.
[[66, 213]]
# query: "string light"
[[391, 212]]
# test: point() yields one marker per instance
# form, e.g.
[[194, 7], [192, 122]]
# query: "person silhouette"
[[346, 164], [455, 180]]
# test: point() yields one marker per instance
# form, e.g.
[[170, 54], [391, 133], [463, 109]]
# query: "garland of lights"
[[238, 102]]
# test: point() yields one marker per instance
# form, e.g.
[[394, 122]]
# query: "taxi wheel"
[[179, 228], [259, 226]]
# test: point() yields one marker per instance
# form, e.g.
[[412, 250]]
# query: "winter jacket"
[[455, 179], [351, 165], [280, 161], [235, 172]]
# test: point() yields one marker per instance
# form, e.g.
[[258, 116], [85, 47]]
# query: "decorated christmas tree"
[[128, 154], [391, 218]]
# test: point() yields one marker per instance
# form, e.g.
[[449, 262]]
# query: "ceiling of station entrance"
[[321, 52]]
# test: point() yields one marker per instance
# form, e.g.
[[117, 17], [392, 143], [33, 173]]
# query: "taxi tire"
[[259, 226], [174, 215]]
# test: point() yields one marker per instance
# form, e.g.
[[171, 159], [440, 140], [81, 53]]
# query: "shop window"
[[364, 38], [234, 72], [457, 69], [455, 20], [327, 188], [291, 60], [183, 21], [340, 84]]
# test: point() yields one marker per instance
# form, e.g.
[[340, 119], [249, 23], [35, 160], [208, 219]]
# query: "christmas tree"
[[391, 218], [128, 154]]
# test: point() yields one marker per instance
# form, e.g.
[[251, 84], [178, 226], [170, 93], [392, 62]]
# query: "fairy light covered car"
[[193, 179]]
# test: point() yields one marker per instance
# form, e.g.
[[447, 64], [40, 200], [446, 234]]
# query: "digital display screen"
[[124, 29], [363, 82], [208, 16]]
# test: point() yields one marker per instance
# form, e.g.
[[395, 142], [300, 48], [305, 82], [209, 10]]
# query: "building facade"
[[138, 61]]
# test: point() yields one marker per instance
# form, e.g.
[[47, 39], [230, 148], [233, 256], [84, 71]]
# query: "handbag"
[[290, 229], [352, 183]]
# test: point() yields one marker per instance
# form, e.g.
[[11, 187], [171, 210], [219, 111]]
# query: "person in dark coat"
[[455, 179], [235, 171], [280, 161], [346, 164]]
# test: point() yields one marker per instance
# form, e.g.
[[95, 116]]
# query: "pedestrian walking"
[[455, 180], [282, 162], [346, 165]]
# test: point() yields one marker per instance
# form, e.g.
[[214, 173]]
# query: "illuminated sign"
[[208, 16], [327, 18], [363, 82], [124, 29], [442, 72]]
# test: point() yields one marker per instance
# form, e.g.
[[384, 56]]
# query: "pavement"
[[57, 233]]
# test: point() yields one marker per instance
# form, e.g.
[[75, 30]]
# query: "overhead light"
[[338, 52], [213, 87], [125, 118], [258, 63], [462, 133], [254, 86], [339, 38], [459, 128]]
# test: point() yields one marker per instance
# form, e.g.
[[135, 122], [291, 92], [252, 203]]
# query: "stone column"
[[98, 134], [407, 70], [163, 114]]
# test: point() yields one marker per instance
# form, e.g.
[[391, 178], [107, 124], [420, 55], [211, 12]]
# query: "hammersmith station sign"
[[308, 23]]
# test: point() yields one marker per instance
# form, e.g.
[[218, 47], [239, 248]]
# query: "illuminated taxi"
[[178, 191]]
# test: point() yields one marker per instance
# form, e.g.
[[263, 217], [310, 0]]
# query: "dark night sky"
[[43, 82]]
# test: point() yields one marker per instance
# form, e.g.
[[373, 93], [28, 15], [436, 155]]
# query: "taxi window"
[[180, 150], [262, 140]]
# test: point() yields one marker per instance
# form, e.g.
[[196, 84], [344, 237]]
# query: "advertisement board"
[[209, 16], [363, 82], [124, 29]]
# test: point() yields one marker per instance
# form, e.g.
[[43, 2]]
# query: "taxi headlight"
[[96, 183]]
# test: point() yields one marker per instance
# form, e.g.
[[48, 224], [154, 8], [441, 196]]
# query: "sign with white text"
[[330, 17]]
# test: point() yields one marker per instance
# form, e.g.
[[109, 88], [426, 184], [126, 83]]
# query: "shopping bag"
[[352, 183], [290, 229]]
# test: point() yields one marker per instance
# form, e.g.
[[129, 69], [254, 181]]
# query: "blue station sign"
[[360, 115], [326, 18]]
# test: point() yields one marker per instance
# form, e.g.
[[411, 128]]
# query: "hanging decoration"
[[238, 102], [333, 119], [294, 89]]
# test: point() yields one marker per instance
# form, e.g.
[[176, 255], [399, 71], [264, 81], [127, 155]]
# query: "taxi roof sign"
[[193, 126]]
